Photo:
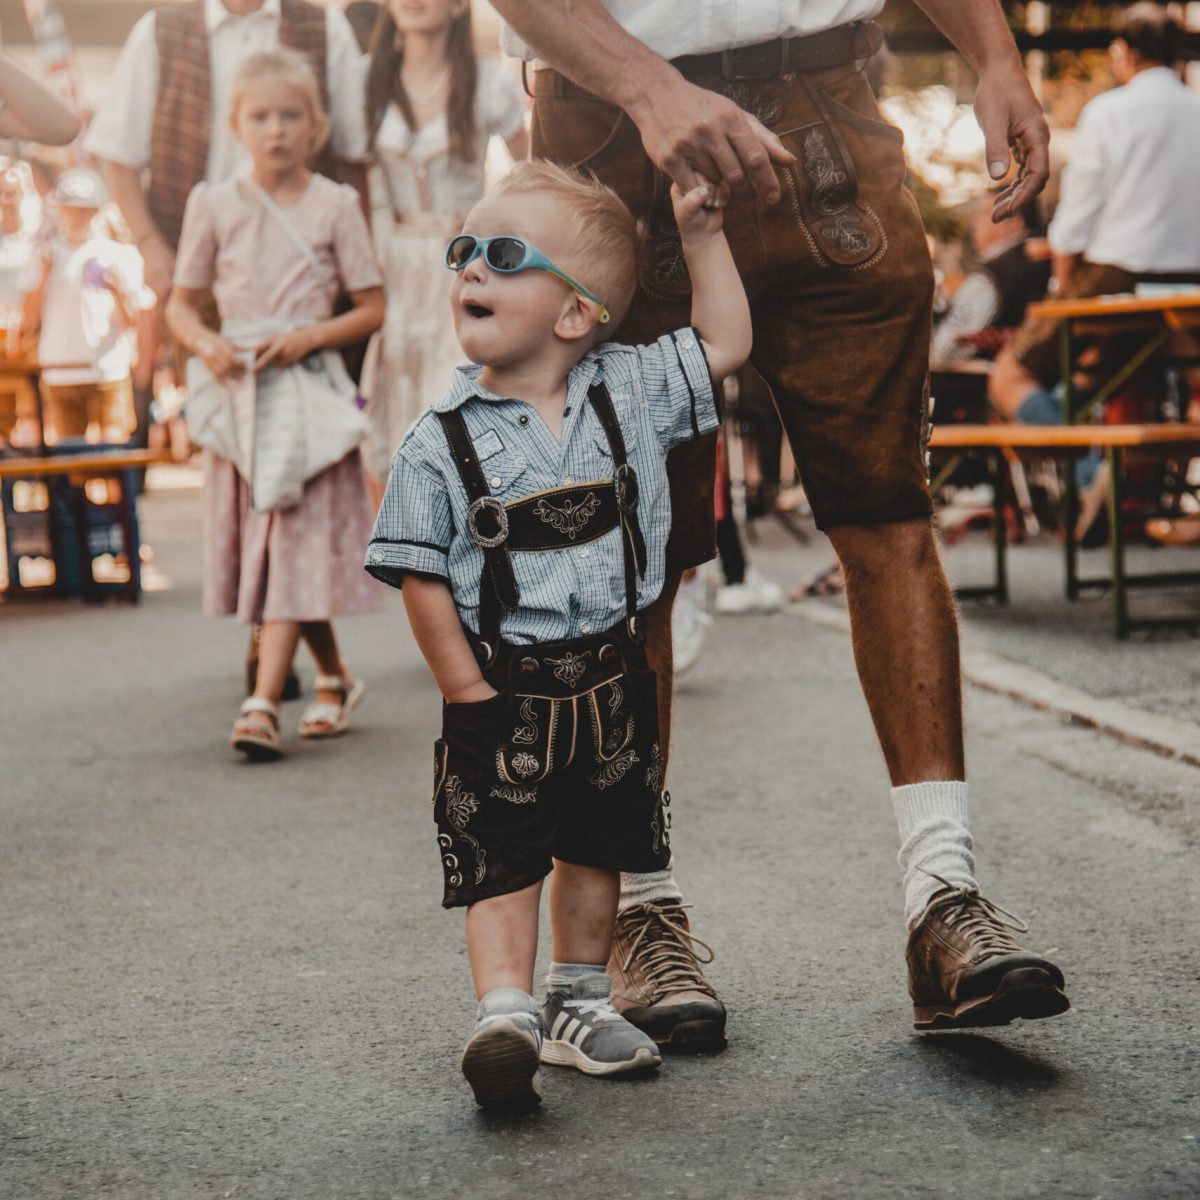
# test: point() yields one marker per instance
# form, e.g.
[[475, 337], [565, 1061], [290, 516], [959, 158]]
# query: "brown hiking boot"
[[965, 969], [657, 982]]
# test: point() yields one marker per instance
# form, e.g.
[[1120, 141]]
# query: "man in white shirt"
[[1129, 208], [766, 102], [222, 34]]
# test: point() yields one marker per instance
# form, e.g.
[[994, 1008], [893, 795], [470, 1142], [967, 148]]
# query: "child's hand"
[[220, 356], [698, 212], [284, 350]]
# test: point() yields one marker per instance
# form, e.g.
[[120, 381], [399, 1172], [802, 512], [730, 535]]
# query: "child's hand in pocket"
[[221, 357], [698, 211], [284, 350]]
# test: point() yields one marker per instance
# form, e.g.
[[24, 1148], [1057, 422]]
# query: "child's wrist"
[[480, 690]]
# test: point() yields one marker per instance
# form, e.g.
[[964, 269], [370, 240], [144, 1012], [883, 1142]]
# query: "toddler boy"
[[526, 516]]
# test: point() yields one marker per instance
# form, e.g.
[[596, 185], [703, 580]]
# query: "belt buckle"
[[731, 74], [499, 514]]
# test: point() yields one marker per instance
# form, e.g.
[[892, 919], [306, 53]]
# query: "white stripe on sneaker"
[[559, 1022]]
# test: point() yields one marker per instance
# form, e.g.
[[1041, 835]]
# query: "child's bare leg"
[[275, 652], [583, 909], [502, 940], [323, 643]]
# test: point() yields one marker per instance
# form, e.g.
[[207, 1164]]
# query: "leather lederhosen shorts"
[[839, 279], [564, 762]]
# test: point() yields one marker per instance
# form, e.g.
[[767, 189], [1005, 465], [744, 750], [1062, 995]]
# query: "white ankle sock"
[[933, 837], [561, 976], [654, 885]]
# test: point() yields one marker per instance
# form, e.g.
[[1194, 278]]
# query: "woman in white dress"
[[432, 107]]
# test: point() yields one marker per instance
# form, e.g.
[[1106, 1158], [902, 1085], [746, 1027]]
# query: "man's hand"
[[284, 350], [159, 260], [698, 138], [1011, 118]]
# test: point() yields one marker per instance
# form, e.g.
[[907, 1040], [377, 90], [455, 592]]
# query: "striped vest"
[[183, 112]]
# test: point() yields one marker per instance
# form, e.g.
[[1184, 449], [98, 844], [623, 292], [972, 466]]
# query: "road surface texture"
[[225, 980]]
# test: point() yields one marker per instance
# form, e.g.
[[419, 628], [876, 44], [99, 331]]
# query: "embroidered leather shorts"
[[839, 280], [564, 762]]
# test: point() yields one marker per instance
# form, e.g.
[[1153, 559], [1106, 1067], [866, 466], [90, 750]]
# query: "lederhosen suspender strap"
[[498, 529], [625, 481], [487, 521]]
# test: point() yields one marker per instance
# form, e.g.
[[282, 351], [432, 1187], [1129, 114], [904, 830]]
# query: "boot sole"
[[1024, 994], [694, 1037], [563, 1054], [501, 1065]]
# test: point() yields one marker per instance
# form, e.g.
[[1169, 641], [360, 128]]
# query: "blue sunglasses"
[[508, 255]]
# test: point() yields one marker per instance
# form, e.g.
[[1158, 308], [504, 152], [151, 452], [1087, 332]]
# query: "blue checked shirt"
[[663, 396]]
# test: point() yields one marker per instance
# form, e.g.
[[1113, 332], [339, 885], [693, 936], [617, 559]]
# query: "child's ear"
[[577, 319]]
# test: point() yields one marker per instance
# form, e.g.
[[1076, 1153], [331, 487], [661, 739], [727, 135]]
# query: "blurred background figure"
[[1008, 274], [433, 107], [1127, 212], [82, 298]]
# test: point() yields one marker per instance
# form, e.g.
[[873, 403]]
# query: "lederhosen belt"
[[557, 519]]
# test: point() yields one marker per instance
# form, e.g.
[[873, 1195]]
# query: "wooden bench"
[[1121, 444], [92, 465]]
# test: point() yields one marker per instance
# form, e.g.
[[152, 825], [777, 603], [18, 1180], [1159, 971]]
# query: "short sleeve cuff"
[[706, 414], [389, 561]]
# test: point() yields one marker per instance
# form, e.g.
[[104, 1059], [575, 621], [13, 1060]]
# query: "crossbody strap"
[[285, 222]]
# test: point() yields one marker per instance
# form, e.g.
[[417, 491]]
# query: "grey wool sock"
[[561, 976]]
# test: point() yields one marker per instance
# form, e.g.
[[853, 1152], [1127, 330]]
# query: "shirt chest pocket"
[[502, 465], [629, 435]]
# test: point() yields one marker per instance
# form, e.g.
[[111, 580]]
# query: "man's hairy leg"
[[905, 634]]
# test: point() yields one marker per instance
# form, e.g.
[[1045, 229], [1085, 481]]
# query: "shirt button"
[[585, 552], [495, 481], [566, 479], [586, 627], [523, 419]]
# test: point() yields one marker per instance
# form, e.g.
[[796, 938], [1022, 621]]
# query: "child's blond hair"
[[291, 67], [604, 233]]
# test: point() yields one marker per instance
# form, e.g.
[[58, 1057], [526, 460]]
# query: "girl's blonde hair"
[[291, 67], [605, 234]]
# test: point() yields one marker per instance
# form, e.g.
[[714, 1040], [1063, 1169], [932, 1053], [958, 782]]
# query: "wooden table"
[[1120, 443]]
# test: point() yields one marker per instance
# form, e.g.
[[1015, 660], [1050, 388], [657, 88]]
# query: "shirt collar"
[[216, 14], [465, 384], [1153, 75]]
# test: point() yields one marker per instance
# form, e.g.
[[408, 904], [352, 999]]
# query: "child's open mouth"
[[477, 310]]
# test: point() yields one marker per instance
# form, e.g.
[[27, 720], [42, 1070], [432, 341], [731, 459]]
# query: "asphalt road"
[[221, 980]]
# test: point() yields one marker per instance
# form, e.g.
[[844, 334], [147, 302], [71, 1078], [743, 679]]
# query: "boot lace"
[[978, 918], [673, 954]]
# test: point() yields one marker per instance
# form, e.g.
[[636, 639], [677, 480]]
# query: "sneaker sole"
[[563, 1054], [501, 1065], [1024, 994]]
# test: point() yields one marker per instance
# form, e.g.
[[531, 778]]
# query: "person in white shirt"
[[124, 130], [1128, 211], [766, 103], [85, 295]]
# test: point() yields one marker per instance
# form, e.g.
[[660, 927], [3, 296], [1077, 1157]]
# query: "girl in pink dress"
[[283, 544]]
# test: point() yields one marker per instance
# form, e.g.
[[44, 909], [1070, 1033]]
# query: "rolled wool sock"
[[561, 975], [505, 1002], [652, 886], [934, 836]]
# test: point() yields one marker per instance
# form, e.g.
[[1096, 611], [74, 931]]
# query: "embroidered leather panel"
[[826, 193], [562, 517]]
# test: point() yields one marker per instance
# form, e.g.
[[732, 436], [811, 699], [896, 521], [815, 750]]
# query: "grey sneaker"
[[584, 1031], [501, 1060]]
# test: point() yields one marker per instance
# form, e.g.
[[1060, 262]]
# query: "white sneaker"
[[688, 623], [753, 595]]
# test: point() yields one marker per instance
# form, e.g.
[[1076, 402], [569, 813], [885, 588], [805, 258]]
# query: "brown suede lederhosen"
[[838, 274]]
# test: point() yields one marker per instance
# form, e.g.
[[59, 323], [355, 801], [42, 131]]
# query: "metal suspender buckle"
[[488, 541], [625, 481]]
